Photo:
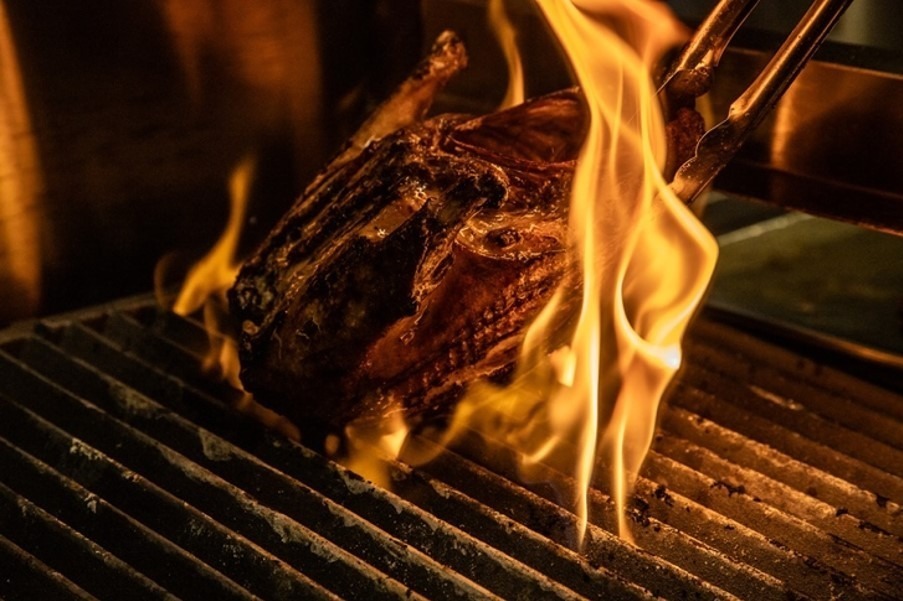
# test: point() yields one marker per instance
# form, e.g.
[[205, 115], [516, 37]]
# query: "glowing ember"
[[645, 263]]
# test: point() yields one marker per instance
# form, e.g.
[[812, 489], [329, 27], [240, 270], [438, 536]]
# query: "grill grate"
[[123, 473]]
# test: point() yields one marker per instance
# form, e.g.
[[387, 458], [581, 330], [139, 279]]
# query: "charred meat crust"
[[413, 263], [414, 268]]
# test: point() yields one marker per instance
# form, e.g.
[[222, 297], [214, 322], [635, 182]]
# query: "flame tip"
[[645, 261]]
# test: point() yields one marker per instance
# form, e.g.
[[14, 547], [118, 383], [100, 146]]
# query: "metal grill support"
[[124, 473]]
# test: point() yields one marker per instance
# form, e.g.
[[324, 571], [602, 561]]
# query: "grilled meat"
[[413, 263]]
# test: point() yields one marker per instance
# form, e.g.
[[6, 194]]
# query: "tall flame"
[[506, 34], [208, 280], [645, 262], [205, 289], [21, 188]]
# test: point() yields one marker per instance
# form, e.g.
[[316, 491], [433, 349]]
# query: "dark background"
[[120, 122]]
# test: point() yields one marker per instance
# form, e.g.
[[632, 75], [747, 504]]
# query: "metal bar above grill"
[[123, 472]]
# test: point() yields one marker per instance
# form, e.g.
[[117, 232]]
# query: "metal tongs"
[[691, 76]]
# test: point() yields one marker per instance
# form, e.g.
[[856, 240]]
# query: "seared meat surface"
[[412, 264]]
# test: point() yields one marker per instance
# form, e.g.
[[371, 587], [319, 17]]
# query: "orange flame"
[[645, 263], [205, 288], [21, 188], [370, 444], [209, 279], [506, 35]]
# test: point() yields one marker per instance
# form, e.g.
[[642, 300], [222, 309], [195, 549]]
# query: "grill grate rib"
[[122, 471]]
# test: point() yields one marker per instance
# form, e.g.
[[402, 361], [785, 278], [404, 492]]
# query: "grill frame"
[[153, 483]]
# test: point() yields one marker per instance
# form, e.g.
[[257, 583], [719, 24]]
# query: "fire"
[[643, 263], [205, 289], [20, 188], [370, 444], [208, 280], [507, 37], [644, 259]]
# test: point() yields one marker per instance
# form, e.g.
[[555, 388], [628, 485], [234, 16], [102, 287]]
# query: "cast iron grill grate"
[[123, 474]]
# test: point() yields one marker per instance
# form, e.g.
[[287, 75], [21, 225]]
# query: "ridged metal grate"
[[123, 474]]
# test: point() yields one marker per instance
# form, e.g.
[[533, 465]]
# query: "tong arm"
[[691, 74], [719, 144]]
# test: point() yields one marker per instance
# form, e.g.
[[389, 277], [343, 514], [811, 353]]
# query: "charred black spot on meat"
[[503, 237]]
